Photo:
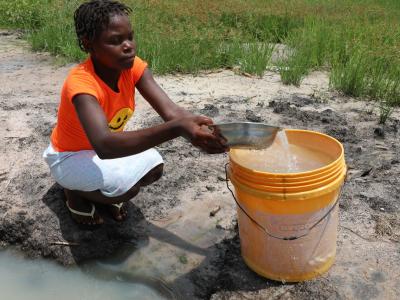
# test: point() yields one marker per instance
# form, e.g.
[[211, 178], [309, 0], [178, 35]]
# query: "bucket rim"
[[290, 181], [289, 189], [293, 177], [302, 174], [293, 196]]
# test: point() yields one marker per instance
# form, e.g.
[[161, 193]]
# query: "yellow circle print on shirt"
[[119, 120]]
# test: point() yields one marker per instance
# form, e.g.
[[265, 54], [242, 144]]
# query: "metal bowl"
[[246, 134]]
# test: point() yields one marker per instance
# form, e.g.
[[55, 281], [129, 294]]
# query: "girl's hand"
[[195, 129]]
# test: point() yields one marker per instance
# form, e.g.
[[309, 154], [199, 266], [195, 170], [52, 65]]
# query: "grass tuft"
[[357, 41]]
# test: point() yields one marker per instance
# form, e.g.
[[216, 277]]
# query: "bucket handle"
[[290, 238]]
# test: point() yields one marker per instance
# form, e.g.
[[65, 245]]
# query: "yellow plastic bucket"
[[290, 236]]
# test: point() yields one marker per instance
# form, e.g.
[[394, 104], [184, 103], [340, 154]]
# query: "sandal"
[[94, 222], [118, 215]]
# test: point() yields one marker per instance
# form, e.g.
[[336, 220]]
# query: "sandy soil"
[[169, 224]]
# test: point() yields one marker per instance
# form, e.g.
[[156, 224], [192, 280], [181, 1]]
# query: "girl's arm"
[[109, 144], [168, 110], [158, 99]]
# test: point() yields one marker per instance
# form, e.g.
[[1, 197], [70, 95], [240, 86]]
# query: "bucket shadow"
[[224, 270]]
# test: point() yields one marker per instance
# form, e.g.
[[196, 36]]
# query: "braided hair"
[[94, 16]]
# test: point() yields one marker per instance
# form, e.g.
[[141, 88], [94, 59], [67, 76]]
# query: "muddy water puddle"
[[41, 279], [154, 269]]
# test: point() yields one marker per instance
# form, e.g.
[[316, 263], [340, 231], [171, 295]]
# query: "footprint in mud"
[[387, 225], [252, 117], [365, 291], [164, 221], [3, 176], [343, 133], [42, 127], [281, 104], [293, 107], [209, 110], [378, 203], [232, 99], [319, 289], [15, 106], [26, 141], [378, 277]]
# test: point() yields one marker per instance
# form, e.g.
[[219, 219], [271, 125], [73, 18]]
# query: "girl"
[[89, 154]]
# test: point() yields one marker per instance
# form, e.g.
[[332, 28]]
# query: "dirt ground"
[[171, 219]]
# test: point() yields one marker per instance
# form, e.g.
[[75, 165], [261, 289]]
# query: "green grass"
[[358, 41]]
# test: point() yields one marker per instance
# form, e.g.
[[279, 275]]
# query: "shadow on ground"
[[222, 269]]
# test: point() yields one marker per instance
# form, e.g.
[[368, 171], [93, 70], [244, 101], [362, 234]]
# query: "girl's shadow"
[[92, 243], [101, 242], [222, 269]]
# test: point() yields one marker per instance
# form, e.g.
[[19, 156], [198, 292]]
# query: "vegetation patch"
[[357, 41]]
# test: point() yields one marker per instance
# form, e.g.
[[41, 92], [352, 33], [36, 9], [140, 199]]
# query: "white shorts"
[[85, 171]]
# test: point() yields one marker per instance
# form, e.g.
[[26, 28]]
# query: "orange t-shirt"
[[68, 135]]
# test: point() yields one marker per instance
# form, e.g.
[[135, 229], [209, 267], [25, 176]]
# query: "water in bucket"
[[282, 157]]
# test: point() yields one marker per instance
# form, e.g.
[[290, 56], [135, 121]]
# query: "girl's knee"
[[133, 191], [153, 175]]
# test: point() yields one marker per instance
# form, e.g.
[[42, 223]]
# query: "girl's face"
[[115, 47]]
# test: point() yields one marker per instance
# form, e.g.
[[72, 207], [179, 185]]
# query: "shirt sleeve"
[[81, 84], [138, 69]]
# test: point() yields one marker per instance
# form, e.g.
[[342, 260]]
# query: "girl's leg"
[[79, 200], [153, 175], [76, 202]]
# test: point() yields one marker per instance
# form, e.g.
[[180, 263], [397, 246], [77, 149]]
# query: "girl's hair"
[[94, 16]]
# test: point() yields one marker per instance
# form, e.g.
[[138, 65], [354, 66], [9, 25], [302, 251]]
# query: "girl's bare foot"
[[82, 211], [118, 211]]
